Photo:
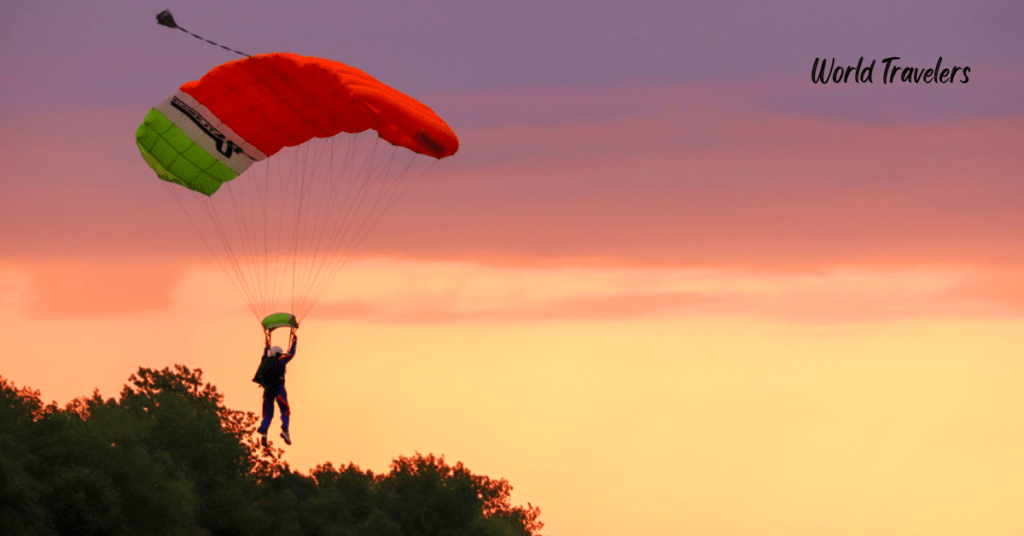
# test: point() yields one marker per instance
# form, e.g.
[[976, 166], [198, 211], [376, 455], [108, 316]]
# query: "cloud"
[[391, 291], [92, 287], [401, 291]]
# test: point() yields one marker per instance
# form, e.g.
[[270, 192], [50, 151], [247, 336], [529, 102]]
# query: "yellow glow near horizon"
[[752, 419]]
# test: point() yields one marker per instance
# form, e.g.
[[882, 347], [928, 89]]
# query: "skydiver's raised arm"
[[291, 350]]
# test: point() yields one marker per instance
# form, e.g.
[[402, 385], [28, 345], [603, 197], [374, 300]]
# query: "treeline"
[[167, 458]]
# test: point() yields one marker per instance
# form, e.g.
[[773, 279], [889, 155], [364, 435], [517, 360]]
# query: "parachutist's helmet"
[[276, 351]]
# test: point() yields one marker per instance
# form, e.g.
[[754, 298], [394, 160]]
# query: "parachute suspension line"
[[174, 193], [246, 245], [295, 258], [275, 200], [252, 289], [312, 225], [341, 186], [248, 240], [237, 281], [305, 215], [278, 201], [350, 211], [389, 186], [308, 170], [252, 207], [258, 208], [308, 225], [326, 221], [392, 201], [297, 233], [337, 221], [253, 210], [299, 172], [376, 182], [305, 173], [164, 18]]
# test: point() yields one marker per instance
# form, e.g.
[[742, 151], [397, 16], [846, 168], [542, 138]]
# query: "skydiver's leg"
[[286, 411], [268, 413]]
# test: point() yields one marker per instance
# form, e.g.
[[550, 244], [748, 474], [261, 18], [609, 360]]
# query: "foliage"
[[168, 458]]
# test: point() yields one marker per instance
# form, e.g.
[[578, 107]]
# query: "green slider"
[[178, 159], [279, 320]]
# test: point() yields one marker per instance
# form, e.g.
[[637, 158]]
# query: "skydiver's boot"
[[287, 438], [263, 438]]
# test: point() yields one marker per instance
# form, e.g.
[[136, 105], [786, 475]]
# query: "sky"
[[668, 285]]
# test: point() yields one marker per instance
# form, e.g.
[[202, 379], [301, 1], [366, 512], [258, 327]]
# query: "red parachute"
[[310, 129]]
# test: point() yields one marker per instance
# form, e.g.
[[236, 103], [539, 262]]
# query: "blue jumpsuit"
[[277, 392]]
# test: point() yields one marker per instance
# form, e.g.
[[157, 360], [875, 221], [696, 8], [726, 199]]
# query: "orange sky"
[[849, 401]]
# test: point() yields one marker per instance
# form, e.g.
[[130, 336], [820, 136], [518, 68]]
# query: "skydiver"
[[273, 386]]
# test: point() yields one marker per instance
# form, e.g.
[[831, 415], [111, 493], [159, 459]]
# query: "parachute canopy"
[[310, 129], [211, 130]]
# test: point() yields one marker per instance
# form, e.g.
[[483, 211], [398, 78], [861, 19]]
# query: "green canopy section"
[[177, 158], [280, 320]]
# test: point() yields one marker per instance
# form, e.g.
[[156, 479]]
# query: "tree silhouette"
[[168, 457]]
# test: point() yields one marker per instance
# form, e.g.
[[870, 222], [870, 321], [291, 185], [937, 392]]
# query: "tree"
[[21, 511], [168, 458], [212, 445], [427, 497]]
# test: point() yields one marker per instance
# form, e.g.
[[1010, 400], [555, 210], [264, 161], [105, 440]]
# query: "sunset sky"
[[668, 285]]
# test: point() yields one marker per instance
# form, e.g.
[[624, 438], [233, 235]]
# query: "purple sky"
[[102, 55], [664, 132]]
